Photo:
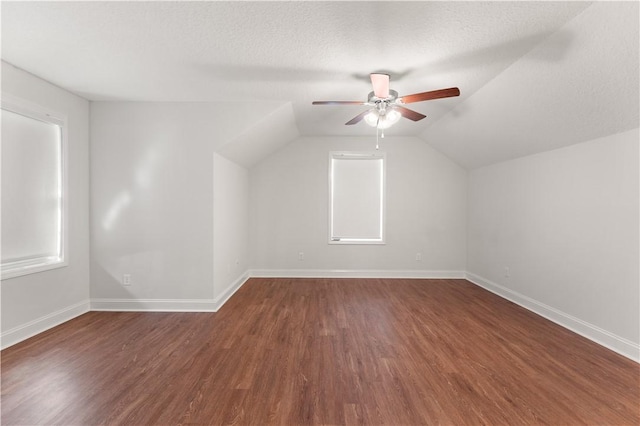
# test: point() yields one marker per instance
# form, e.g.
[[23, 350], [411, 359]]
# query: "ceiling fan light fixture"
[[372, 118], [392, 117], [382, 119]]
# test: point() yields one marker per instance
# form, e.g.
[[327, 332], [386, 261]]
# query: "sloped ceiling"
[[578, 84], [267, 135], [551, 71]]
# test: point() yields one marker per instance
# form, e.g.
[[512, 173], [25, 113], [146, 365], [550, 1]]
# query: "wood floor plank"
[[321, 351]]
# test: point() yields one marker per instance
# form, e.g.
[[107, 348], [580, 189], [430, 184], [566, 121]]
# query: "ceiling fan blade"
[[434, 94], [338, 103], [358, 118], [380, 83], [409, 113]]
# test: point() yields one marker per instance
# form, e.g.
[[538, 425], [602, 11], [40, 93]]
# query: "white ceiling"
[[533, 75]]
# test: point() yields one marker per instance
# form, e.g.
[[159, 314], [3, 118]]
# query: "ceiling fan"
[[387, 106]]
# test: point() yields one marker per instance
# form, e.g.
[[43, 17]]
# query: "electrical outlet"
[[126, 279], [418, 257], [300, 255], [507, 272]]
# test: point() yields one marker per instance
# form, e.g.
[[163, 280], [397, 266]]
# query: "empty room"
[[336, 213]]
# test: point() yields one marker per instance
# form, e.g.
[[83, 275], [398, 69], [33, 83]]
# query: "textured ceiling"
[[579, 84], [514, 62]]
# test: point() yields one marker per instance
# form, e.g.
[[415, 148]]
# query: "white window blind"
[[357, 198], [32, 192]]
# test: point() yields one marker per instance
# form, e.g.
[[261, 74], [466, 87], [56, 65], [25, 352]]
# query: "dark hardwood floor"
[[330, 351]]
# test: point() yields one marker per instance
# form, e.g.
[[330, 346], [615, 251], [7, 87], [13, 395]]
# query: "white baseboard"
[[154, 305], [352, 273], [230, 290], [169, 305], [603, 337], [37, 326]]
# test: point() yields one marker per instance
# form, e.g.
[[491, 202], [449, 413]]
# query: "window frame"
[[34, 265], [359, 155]]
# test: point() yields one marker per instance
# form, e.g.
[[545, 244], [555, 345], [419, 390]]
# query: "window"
[[356, 198], [33, 195]]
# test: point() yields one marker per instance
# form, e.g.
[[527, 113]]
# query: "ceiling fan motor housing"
[[372, 99]]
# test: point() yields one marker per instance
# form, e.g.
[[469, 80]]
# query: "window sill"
[[359, 242], [31, 266]]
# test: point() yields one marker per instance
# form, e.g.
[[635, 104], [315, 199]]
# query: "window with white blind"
[[356, 198], [33, 194]]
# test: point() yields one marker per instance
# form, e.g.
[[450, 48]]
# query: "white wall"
[[230, 226], [152, 201], [565, 223], [33, 303], [425, 212]]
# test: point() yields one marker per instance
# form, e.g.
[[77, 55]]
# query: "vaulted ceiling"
[[533, 76]]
